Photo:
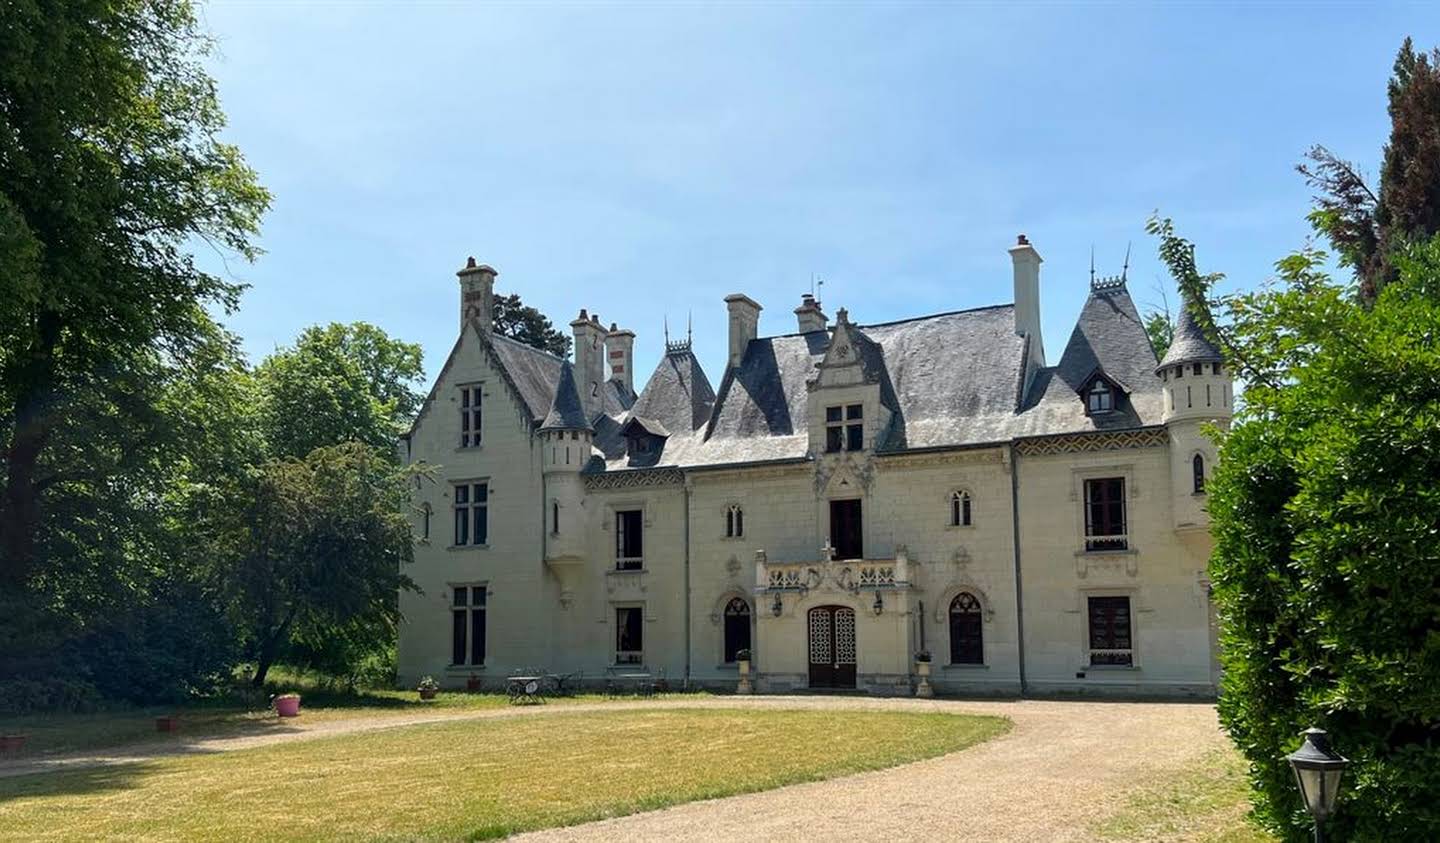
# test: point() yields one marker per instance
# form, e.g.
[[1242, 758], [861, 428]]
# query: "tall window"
[[472, 522], [1110, 640], [555, 517], [845, 428], [1105, 514], [629, 540], [960, 509], [467, 618], [737, 628], [734, 521], [1100, 399], [966, 641], [629, 635], [425, 513], [1197, 468], [469, 416]]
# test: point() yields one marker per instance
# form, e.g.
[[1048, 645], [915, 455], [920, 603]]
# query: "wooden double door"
[[832, 647]]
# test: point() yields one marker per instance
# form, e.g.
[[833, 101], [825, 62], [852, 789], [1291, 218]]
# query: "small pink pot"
[[287, 706], [170, 723], [12, 744]]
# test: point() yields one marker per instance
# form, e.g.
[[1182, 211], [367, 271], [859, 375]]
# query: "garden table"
[[525, 689]]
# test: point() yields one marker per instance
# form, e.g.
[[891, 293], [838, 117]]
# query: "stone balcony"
[[849, 575]]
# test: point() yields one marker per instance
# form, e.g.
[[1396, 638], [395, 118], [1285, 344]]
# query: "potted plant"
[[11, 744], [472, 684], [167, 723], [742, 658], [287, 705], [922, 668], [428, 688]]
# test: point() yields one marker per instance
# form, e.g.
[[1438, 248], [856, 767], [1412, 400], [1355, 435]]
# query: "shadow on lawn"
[[81, 781]]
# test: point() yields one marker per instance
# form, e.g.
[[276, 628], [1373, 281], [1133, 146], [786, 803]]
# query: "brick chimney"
[[1026, 263], [589, 361], [809, 315], [744, 323], [477, 294]]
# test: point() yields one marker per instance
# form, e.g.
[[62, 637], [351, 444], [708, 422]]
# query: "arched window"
[[737, 628], [966, 644], [734, 521], [1100, 399], [1197, 467], [960, 509], [425, 512]]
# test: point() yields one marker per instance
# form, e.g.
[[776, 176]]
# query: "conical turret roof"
[[566, 411], [1190, 344]]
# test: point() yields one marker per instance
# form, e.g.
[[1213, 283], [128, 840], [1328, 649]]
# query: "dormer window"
[[1100, 398], [845, 428]]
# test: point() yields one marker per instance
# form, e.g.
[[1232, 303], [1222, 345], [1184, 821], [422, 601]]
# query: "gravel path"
[[1062, 766]]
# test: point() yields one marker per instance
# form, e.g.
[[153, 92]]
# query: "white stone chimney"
[[810, 316], [1027, 296], [620, 351], [589, 361], [744, 323], [477, 294]]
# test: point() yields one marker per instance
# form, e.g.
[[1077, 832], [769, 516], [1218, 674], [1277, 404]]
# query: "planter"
[[472, 684], [428, 693], [287, 706], [923, 688], [12, 744], [744, 686], [168, 723]]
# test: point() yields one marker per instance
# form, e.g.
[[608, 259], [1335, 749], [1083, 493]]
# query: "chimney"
[[620, 350], [589, 362], [810, 316], [1027, 296], [744, 321], [477, 294]]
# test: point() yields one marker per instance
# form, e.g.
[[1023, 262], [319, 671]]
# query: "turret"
[[1197, 391], [565, 439]]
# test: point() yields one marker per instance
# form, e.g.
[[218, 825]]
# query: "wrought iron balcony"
[[852, 575]]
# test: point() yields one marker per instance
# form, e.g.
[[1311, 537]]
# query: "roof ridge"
[[495, 335]]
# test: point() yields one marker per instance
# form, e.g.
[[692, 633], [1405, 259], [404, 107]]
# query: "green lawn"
[[52, 733], [475, 778], [1207, 802]]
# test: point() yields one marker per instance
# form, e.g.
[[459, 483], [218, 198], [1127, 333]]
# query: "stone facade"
[[1036, 528]]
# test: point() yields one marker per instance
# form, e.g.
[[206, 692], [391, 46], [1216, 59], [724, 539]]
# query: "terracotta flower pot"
[[472, 684], [168, 723], [428, 693], [12, 744], [287, 706]]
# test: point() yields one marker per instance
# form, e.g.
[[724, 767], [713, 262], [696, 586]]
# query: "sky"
[[643, 161]]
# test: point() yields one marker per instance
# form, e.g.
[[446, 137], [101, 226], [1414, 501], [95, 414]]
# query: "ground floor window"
[[966, 636], [737, 628], [629, 635], [467, 619], [1110, 639]]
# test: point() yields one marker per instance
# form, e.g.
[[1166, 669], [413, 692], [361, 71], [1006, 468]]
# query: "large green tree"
[[515, 319], [111, 166]]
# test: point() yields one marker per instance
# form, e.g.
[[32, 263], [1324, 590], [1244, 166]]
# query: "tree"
[[315, 544], [1327, 547], [1159, 326], [518, 321], [339, 383], [1366, 227], [110, 166]]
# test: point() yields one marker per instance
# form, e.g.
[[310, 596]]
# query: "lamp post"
[[879, 605], [1318, 769]]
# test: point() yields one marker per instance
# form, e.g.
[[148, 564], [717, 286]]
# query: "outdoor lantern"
[[879, 604], [777, 607], [1317, 770]]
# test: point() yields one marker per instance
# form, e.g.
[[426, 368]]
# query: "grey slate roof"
[[678, 395], [1190, 344], [534, 372], [566, 411]]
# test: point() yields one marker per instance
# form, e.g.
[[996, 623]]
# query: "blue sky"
[[647, 159]]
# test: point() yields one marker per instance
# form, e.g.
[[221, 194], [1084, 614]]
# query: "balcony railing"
[[853, 575], [1105, 544]]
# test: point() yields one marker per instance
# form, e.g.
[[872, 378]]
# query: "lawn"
[[1206, 802], [227, 717], [480, 778]]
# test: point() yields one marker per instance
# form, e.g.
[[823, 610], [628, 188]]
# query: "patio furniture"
[[526, 688]]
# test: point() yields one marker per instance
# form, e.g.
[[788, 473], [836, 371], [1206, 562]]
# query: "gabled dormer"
[[644, 440], [844, 406], [1103, 394]]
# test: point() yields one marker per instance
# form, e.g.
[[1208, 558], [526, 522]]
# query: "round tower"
[[1197, 391], [566, 438]]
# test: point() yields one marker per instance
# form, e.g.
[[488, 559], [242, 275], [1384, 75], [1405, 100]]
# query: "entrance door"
[[832, 647], [846, 536]]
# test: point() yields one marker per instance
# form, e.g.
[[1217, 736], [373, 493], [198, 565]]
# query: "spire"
[[1190, 344], [566, 412]]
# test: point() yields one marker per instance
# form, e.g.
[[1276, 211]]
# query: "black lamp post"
[[1318, 769]]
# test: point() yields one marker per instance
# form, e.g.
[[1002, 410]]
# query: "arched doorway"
[[832, 647], [737, 628]]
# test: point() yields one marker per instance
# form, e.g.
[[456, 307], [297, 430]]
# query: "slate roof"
[[678, 395], [534, 372], [1190, 344], [566, 411]]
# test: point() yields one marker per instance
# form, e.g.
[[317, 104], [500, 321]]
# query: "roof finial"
[[1092, 264], [1124, 270]]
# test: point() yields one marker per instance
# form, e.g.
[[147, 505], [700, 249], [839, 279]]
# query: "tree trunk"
[[20, 500], [269, 649]]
